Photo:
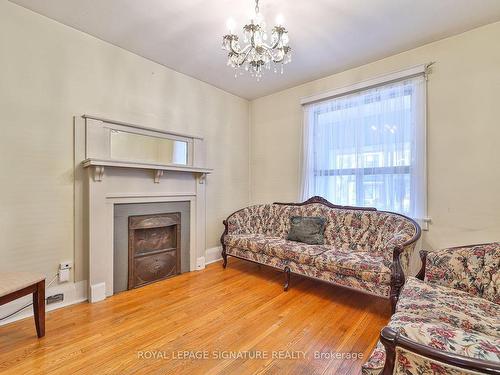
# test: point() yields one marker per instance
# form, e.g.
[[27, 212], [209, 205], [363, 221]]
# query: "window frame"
[[421, 70]]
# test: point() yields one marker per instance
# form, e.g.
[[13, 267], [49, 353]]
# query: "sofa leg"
[[224, 254], [287, 278], [224, 258]]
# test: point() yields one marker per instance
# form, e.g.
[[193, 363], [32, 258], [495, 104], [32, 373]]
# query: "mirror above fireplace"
[[147, 149]]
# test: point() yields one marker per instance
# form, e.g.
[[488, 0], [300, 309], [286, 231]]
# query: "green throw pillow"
[[307, 229]]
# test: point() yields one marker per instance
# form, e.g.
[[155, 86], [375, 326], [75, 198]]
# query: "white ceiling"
[[326, 36]]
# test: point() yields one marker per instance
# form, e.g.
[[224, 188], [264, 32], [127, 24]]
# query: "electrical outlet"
[[64, 268], [65, 265], [55, 298]]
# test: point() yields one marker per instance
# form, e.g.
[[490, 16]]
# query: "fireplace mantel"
[[158, 169]]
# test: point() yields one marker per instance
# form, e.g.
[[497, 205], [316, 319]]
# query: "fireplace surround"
[[101, 183]]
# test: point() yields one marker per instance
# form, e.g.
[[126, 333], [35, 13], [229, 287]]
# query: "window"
[[368, 148]]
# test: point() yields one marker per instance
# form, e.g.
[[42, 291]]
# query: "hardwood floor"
[[238, 311]]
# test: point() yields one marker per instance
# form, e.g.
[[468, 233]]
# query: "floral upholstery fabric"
[[325, 258], [409, 363], [359, 264], [276, 247], [456, 340], [425, 303], [252, 242], [474, 269], [294, 251], [358, 249], [446, 319], [257, 257], [376, 362], [349, 230], [352, 282], [250, 220]]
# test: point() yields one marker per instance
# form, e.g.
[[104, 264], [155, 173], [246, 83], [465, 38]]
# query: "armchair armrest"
[[403, 354]]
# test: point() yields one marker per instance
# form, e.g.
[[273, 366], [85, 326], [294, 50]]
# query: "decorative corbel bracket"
[[98, 173], [201, 178], [158, 174]]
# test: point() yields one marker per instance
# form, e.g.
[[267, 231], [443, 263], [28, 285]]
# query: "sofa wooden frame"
[[392, 339], [397, 274]]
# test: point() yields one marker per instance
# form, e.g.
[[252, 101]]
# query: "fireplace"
[[154, 248], [104, 183]]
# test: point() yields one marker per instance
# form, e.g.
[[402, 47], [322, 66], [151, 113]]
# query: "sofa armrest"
[[403, 355], [400, 248], [400, 264], [403, 240], [252, 219], [405, 253]]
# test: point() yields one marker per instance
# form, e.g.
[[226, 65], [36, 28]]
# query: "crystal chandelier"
[[257, 54]]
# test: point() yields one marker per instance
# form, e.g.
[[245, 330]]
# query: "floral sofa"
[[447, 321], [364, 249]]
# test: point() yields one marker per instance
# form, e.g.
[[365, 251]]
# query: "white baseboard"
[[73, 293], [200, 263], [97, 292], [213, 255]]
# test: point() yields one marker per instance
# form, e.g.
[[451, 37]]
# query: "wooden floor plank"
[[234, 312]]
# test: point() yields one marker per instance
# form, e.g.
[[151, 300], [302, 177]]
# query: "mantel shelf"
[[159, 168]]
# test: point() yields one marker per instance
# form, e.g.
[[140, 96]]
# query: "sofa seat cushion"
[[363, 265], [257, 257], [294, 251], [352, 282], [275, 247], [426, 303], [251, 242]]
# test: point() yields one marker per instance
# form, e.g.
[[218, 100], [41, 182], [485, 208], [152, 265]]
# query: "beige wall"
[[48, 74], [463, 135]]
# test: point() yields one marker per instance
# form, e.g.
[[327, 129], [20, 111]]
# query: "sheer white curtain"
[[368, 148]]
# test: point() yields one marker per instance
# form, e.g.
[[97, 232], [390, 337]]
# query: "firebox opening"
[[151, 243]]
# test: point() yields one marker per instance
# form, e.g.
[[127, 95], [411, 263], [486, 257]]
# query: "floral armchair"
[[447, 320]]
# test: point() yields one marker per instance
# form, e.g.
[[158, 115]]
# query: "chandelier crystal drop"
[[257, 54]]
